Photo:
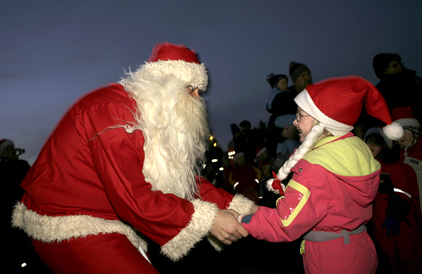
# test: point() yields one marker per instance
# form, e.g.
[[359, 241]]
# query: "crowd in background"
[[396, 226], [255, 154]]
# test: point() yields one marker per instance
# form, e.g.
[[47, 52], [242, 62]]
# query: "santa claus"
[[123, 164]]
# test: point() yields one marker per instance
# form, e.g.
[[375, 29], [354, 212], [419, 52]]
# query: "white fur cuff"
[[198, 228], [241, 205]]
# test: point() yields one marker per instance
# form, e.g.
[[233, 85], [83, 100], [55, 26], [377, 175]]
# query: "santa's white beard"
[[175, 127]]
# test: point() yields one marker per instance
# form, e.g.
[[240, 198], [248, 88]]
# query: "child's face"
[[374, 147], [266, 170], [394, 67], [240, 160], [282, 84], [304, 123], [407, 139]]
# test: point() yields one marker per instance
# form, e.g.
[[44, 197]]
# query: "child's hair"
[[317, 133]]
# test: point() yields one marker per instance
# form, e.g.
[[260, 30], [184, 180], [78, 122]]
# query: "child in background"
[[395, 225], [279, 103], [278, 84], [265, 164], [289, 141], [411, 152], [245, 178], [335, 179]]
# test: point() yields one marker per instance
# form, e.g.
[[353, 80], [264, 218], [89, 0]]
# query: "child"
[[245, 178], [395, 225], [335, 178], [289, 141], [411, 153], [279, 103], [265, 164]]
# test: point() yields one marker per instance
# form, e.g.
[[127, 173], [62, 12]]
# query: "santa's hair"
[[175, 127]]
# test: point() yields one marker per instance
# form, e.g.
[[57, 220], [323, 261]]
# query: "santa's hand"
[[226, 228]]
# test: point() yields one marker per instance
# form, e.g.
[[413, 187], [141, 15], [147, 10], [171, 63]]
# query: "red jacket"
[[413, 157], [331, 190]]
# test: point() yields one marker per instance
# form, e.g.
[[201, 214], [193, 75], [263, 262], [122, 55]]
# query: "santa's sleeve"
[[303, 205], [223, 200], [118, 157]]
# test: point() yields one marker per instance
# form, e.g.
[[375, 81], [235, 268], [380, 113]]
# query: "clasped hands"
[[227, 228]]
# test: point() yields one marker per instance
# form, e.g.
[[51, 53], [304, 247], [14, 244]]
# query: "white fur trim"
[[50, 229], [199, 226], [305, 102], [408, 122], [192, 73], [393, 131], [241, 205], [261, 151]]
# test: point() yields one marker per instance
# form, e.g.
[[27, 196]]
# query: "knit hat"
[[245, 123], [273, 79], [381, 62], [337, 104], [379, 131], [4, 143], [404, 116], [296, 69], [177, 60]]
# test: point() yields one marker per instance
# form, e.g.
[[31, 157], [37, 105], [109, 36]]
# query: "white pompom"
[[393, 131]]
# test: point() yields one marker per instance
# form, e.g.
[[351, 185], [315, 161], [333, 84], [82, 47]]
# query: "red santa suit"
[[88, 205], [331, 191], [405, 248]]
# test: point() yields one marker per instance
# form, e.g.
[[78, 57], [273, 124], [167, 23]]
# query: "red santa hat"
[[180, 61], [404, 116], [4, 143], [259, 151], [238, 155], [337, 104]]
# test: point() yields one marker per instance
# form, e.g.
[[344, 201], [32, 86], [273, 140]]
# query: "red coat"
[[88, 179], [405, 249], [331, 190], [413, 157]]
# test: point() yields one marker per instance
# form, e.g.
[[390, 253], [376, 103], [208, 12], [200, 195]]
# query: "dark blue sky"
[[52, 52]]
